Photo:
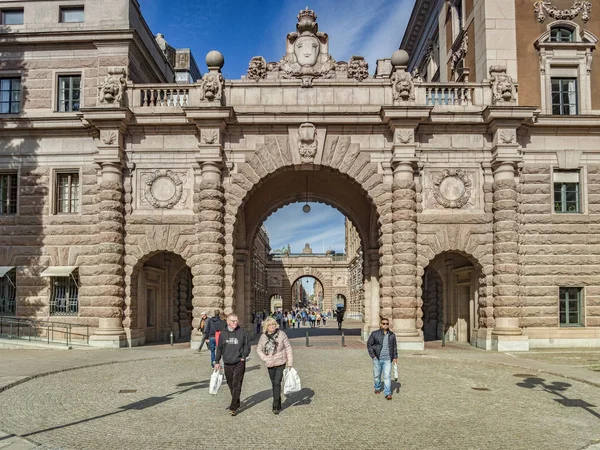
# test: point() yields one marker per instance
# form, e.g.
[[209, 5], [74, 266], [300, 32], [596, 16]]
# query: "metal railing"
[[332, 256], [44, 331]]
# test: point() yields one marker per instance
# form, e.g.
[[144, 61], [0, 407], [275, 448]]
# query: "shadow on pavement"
[[303, 397], [555, 388]]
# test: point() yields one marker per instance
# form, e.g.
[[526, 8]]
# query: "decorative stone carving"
[[109, 137], [341, 66], [307, 142], [503, 86], [507, 137], [404, 136], [403, 86], [111, 90], [209, 137], [307, 53], [416, 76], [542, 8], [163, 189], [275, 281], [460, 53], [307, 250], [451, 188], [211, 87], [257, 69], [358, 68]]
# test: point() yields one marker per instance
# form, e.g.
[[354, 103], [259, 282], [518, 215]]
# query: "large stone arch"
[[271, 165], [311, 272]]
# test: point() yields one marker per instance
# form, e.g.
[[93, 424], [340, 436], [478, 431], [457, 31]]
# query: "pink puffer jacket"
[[282, 355]]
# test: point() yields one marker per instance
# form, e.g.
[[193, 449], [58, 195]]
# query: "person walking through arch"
[[383, 349], [234, 347], [275, 350], [212, 326], [340, 317]]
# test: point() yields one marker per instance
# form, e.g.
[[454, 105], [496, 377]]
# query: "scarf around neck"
[[271, 345]]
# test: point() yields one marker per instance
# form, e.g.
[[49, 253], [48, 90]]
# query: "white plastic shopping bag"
[[291, 381], [215, 382], [395, 371]]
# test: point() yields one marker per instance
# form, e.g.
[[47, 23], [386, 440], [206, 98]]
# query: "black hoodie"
[[213, 325], [233, 346]]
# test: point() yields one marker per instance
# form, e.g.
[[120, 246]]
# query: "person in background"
[[275, 350], [212, 326]]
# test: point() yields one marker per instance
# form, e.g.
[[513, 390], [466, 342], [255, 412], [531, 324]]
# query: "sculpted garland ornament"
[[307, 142], [451, 188], [542, 8], [163, 189]]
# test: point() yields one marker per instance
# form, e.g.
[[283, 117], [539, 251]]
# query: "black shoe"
[[233, 412]]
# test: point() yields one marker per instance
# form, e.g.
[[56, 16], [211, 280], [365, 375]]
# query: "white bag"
[[291, 381], [215, 382], [395, 371]]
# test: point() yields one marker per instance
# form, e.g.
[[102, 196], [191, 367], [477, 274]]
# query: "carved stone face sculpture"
[[306, 49]]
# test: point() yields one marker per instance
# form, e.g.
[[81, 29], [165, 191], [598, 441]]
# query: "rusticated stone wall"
[[557, 250]]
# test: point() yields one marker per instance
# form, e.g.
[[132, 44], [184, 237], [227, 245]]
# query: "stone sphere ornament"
[[215, 59], [400, 58], [306, 208]]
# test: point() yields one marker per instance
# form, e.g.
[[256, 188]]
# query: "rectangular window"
[[564, 96], [10, 95], [71, 14], [64, 299], [567, 192], [67, 193], [12, 17], [8, 193], [8, 293], [570, 306], [69, 92]]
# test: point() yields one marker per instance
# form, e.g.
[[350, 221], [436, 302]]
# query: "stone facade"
[[474, 197]]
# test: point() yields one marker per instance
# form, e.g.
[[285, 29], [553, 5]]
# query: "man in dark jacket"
[[211, 327], [234, 348], [383, 349]]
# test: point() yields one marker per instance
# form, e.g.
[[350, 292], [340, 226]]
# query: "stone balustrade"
[[323, 93]]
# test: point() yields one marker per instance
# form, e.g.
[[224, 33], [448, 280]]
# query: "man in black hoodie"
[[234, 348], [211, 326]]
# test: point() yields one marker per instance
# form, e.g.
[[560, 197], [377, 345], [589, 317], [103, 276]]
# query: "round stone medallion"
[[163, 189], [452, 188]]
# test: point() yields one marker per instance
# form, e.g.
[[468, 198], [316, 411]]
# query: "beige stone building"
[[131, 203]]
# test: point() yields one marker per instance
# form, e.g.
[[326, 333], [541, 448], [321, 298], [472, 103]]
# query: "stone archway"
[[158, 299], [451, 303], [349, 183], [308, 272]]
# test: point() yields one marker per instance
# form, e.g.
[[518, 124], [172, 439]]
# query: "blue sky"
[[244, 29], [322, 228]]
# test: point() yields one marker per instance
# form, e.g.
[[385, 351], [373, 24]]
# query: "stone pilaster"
[[506, 334], [209, 271], [404, 270]]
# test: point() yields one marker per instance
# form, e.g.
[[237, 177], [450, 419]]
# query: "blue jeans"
[[386, 368], [212, 344]]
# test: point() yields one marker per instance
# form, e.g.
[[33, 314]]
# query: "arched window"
[[562, 34]]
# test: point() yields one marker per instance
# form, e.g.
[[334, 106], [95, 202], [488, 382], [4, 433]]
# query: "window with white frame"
[[566, 68], [67, 193], [64, 298], [567, 191], [456, 11], [10, 95], [8, 193], [564, 96], [8, 291], [570, 310], [69, 93]]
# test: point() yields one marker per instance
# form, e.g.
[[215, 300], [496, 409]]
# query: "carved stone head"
[[306, 49]]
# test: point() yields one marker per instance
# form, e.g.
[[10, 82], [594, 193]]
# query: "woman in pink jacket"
[[275, 350]]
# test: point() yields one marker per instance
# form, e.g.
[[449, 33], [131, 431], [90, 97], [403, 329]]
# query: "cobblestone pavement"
[[451, 398]]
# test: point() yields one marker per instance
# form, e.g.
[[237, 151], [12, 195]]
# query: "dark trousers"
[[276, 375], [235, 376]]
